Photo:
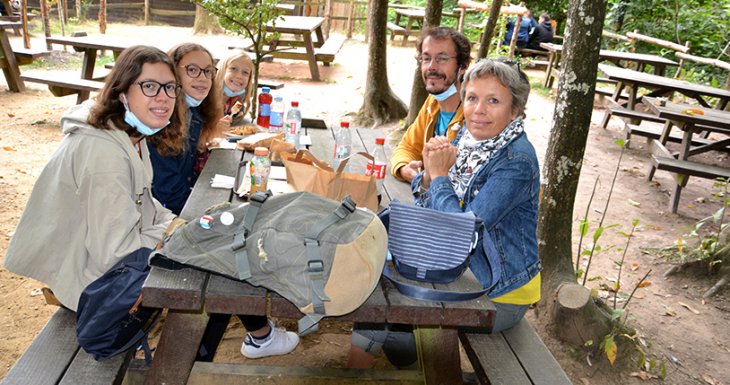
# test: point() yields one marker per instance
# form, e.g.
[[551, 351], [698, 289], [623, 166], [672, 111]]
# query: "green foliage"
[[706, 230]]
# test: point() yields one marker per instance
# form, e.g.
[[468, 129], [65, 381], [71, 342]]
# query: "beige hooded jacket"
[[91, 206]]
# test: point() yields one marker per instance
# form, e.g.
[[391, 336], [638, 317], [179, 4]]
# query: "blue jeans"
[[397, 341]]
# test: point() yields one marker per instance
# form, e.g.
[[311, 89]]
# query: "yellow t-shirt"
[[528, 294]]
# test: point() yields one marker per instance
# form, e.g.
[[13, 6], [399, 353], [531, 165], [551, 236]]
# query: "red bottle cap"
[[295, 104], [380, 140], [344, 124]]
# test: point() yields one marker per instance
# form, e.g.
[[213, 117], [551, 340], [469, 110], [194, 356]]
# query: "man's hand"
[[409, 171]]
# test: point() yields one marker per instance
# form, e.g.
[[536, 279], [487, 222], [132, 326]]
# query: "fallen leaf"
[[642, 375], [20, 171], [8, 148], [585, 381], [11, 115], [668, 311], [689, 308], [708, 379], [634, 203], [639, 296], [690, 206], [634, 266], [645, 283], [701, 200]]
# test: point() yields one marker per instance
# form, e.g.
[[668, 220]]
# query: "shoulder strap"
[[315, 265], [239, 239]]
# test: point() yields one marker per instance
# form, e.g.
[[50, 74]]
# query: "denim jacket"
[[504, 195]]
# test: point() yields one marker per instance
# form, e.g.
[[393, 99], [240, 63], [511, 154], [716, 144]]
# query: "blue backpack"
[[110, 319]]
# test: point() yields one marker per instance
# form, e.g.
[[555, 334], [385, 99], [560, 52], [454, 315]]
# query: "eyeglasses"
[[439, 59], [151, 88], [194, 71]]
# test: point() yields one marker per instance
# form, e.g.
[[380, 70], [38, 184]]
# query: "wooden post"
[[102, 16], [515, 32], [351, 19], [146, 12], [65, 11], [77, 6], [46, 23], [24, 18], [61, 18], [462, 14], [327, 18]]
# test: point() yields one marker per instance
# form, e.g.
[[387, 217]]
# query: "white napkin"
[[277, 173], [222, 181], [225, 145]]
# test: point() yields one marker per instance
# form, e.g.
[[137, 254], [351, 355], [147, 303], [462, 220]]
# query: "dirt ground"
[[690, 336]]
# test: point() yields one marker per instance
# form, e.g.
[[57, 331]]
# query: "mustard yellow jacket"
[[411, 146]]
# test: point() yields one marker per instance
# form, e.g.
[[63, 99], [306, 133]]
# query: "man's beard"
[[440, 75]]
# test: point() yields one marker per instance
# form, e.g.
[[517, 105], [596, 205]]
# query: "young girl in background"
[[175, 176], [236, 80]]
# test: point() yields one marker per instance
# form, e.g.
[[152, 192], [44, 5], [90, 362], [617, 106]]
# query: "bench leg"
[[438, 354], [312, 58], [177, 349]]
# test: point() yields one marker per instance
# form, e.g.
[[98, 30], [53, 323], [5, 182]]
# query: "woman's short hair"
[[108, 111], [220, 77], [509, 73], [212, 107]]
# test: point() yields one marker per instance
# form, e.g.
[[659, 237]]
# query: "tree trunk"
[[102, 16], [563, 160], [418, 90], [488, 33], [46, 23], [205, 23], [380, 104]]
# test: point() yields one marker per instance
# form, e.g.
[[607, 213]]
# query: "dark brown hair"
[[108, 111], [463, 46], [210, 108]]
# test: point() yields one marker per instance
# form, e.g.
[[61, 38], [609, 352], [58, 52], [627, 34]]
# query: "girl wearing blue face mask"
[[175, 175], [236, 79], [94, 195]]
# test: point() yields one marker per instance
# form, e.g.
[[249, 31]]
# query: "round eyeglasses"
[[151, 88], [194, 71]]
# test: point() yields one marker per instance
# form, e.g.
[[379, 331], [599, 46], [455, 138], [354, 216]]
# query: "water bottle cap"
[[278, 98], [344, 124], [265, 90], [380, 140], [295, 104], [261, 151]]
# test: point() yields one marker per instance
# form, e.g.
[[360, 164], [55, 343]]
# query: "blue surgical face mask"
[[132, 119], [446, 94], [230, 93], [192, 102]]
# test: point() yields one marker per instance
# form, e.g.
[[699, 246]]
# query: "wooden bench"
[[651, 133], [688, 167], [325, 54], [54, 357], [27, 55], [62, 85], [514, 356], [395, 29], [634, 116]]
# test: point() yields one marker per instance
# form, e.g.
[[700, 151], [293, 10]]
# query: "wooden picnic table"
[[413, 23], [659, 86], [8, 63], [639, 61], [302, 28], [191, 295], [691, 120]]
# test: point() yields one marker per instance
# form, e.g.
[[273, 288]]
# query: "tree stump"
[[577, 318]]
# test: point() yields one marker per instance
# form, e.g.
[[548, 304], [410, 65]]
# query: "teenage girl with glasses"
[[92, 203]]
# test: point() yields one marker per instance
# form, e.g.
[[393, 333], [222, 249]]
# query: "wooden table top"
[[295, 24], [618, 55], [716, 120], [99, 42], [411, 12], [660, 82]]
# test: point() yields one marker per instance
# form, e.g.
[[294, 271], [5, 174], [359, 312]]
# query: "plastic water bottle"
[[293, 124], [378, 167], [276, 121], [343, 144], [264, 107], [260, 168]]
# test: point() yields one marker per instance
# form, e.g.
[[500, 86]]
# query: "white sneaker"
[[280, 342]]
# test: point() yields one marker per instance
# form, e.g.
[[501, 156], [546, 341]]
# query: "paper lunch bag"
[[307, 173]]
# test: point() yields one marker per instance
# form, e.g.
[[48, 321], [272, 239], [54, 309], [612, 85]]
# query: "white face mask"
[[230, 93], [446, 94], [132, 119], [192, 102]]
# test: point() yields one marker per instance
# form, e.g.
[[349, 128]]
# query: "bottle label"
[[265, 109], [275, 120], [376, 169], [293, 127], [342, 151]]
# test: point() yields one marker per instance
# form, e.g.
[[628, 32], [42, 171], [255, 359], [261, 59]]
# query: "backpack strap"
[[315, 265], [239, 239]]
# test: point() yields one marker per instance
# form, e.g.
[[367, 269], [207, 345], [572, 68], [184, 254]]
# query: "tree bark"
[[46, 23], [380, 105], [418, 90], [102, 16], [205, 23], [563, 160], [489, 29]]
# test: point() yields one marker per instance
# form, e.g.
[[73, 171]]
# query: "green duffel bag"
[[322, 255]]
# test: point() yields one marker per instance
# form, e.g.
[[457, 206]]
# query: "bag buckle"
[[260, 196], [315, 266]]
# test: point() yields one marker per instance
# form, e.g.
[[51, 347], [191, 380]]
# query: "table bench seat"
[[325, 54], [634, 115], [688, 167], [655, 132], [395, 29], [514, 356], [62, 85], [28, 55], [54, 357]]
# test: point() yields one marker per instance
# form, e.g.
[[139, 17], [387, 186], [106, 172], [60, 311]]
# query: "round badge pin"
[[227, 218]]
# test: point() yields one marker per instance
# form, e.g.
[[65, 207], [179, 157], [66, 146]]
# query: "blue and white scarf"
[[474, 154]]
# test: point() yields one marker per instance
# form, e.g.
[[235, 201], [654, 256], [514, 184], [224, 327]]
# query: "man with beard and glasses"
[[443, 55]]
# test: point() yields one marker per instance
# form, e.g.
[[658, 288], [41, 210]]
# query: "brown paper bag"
[[280, 146], [262, 139], [307, 173]]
